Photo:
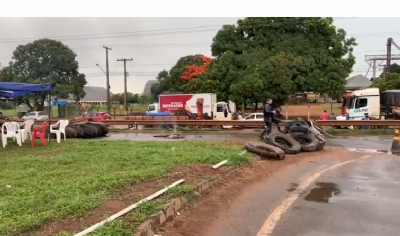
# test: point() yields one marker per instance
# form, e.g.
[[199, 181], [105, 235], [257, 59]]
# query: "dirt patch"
[[192, 220], [120, 199]]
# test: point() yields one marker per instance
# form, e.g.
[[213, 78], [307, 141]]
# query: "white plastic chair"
[[62, 124], [13, 131], [27, 131]]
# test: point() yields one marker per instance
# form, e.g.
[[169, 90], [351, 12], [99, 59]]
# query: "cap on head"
[[269, 100]]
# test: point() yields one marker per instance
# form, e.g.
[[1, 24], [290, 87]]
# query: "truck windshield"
[[151, 108], [350, 104]]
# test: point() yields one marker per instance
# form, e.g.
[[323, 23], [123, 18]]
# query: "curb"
[[370, 150], [157, 220]]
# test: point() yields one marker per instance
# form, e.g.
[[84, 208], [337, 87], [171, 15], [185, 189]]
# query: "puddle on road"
[[323, 192]]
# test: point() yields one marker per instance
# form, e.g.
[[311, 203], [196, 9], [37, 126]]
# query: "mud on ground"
[[122, 198], [197, 217]]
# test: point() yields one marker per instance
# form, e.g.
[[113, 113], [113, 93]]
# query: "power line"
[[196, 29]]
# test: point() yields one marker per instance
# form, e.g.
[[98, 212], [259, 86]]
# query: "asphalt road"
[[382, 142], [340, 193], [359, 198]]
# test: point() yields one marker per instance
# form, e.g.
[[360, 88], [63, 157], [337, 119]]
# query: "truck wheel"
[[266, 150], [308, 142], [285, 142]]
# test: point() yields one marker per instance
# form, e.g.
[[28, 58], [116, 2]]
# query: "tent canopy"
[[13, 89]]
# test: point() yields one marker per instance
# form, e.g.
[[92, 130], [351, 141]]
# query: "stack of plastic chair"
[[61, 124], [27, 131], [10, 130], [39, 132]]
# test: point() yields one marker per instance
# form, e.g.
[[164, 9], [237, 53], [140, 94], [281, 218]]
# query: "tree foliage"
[[172, 81], [131, 98], [193, 71], [46, 61], [391, 81], [277, 57]]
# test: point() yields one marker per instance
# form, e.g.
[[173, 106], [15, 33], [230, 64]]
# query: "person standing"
[[267, 118], [324, 116], [240, 117]]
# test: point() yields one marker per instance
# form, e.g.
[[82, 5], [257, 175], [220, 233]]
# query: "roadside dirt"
[[120, 199], [195, 218]]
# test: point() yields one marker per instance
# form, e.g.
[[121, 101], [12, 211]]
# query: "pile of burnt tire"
[[298, 136], [87, 130]]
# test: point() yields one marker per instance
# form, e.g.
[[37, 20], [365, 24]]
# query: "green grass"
[[45, 183], [359, 131]]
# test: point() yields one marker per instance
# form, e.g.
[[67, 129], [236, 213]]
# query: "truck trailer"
[[375, 104], [196, 106]]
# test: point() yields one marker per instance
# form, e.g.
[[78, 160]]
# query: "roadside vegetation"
[[46, 183]]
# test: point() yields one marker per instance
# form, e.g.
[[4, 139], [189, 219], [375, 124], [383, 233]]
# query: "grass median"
[[46, 183]]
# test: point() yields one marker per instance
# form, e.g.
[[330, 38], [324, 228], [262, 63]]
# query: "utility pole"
[[125, 84], [108, 82]]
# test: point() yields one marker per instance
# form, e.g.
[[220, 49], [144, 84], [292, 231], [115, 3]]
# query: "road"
[[382, 142], [336, 192]]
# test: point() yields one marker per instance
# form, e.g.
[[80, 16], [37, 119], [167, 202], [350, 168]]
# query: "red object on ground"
[[39, 132], [94, 116]]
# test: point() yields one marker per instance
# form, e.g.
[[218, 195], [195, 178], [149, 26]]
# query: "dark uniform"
[[268, 117], [276, 119]]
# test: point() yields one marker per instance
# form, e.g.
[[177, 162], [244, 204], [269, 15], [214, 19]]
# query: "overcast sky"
[[157, 50]]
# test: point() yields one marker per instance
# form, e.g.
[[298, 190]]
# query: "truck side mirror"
[[226, 113]]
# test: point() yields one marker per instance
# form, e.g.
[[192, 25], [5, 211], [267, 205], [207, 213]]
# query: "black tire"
[[320, 146], [262, 135], [79, 131], [89, 131], [309, 143], [266, 150], [300, 129], [284, 142], [102, 131], [286, 130]]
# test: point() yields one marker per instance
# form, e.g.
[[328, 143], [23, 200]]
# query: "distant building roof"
[[95, 94], [147, 87], [358, 82]]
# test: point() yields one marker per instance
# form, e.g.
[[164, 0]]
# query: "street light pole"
[[108, 82], [108, 90]]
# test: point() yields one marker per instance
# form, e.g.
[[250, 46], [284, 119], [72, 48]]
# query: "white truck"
[[202, 105], [363, 102], [375, 104]]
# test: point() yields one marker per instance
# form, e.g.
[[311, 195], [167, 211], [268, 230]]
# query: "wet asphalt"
[[360, 198], [381, 142]]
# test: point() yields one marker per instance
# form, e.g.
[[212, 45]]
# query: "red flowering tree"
[[193, 70]]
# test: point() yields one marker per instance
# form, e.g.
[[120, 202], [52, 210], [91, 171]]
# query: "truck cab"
[[153, 108], [220, 110], [363, 102]]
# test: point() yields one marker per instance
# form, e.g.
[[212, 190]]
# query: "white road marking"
[[272, 220]]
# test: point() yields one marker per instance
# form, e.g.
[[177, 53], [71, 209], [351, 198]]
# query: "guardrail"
[[243, 122]]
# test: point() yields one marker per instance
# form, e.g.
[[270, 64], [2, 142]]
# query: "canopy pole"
[[48, 127]]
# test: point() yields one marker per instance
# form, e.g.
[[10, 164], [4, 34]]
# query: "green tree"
[[391, 81], [48, 61], [394, 68], [131, 98], [277, 57], [170, 81]]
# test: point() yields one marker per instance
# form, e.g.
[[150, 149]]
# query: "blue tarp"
[[13, 89]]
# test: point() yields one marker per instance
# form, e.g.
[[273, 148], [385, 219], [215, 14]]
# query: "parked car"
[[254, 116], [36, 115], [95, 116]]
